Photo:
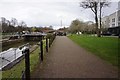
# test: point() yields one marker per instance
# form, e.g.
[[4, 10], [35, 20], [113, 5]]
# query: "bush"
[[51, 37]]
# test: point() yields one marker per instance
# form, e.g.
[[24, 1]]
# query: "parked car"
[[106, 34]]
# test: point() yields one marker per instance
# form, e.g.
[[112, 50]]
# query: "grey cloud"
[[36, 13]]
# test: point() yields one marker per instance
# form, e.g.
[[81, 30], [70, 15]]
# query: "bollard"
[[41, 49], [46, 45], [27, 64]]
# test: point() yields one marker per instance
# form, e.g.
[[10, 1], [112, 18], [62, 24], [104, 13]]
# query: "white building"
[[119, 5], [118, 14], [112, 20], [105, 22]]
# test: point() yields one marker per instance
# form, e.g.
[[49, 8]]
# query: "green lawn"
[[104, 47]]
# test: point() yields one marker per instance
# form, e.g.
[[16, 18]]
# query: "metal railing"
[[11, 55], [25, 52]]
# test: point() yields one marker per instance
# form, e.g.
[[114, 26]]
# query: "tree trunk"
[[96, 20], [100, 19]]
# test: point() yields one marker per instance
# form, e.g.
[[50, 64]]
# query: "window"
[[118, 24], [113, 25], [113, 20], [119, 18]]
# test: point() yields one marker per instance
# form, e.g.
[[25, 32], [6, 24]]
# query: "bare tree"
[[8, 22], [12, 26], [3, 24], [102, 4], [22, 24], [0, 27], [94, 5], [14, 22]]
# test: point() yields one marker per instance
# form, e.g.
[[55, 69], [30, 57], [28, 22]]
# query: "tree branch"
[[92, 9]]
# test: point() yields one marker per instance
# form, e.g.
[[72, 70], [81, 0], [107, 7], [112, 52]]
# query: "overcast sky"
[[49, 12]]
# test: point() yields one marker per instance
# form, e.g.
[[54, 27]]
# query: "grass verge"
[[104, 47]]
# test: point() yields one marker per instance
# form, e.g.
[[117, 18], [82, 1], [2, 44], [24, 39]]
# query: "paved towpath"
[[68, 60]]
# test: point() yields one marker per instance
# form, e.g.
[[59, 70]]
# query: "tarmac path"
[[66, 59]]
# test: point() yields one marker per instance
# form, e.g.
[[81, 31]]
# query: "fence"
[[9, 57], [49, 41], [26, 74], [25, 70]]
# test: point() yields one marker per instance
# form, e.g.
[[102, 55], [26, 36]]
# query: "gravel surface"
[[68, 60]]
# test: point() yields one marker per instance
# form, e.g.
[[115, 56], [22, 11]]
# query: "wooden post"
[[49, 42], [27, 64], [41, 49], [46, 45], [15, 54]]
